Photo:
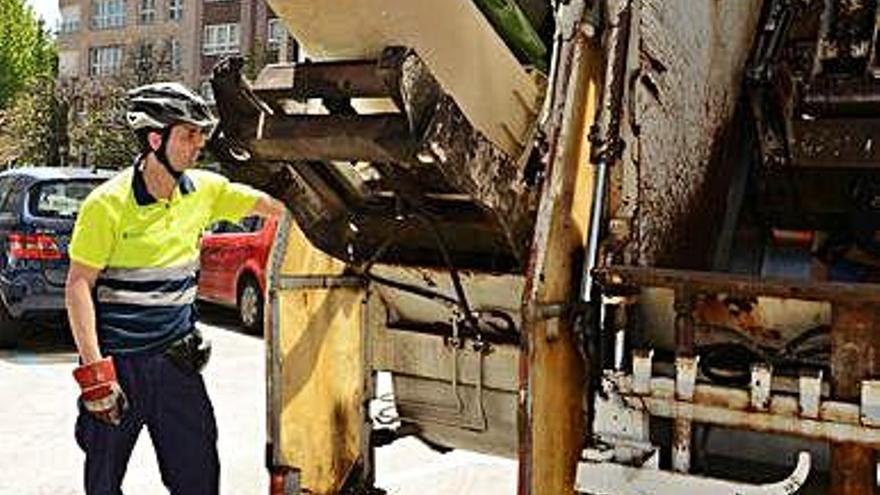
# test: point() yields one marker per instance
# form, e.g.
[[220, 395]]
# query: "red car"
[[233, 267]]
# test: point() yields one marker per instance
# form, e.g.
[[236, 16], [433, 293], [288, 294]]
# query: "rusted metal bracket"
[[762, 376], [380, 138], [810, 394], [682, 434]]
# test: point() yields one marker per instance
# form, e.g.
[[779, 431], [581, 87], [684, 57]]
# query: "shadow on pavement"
[[222, 316], [42, 343], [47, 342]]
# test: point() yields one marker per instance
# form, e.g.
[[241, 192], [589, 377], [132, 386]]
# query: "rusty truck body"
[[628, 243]]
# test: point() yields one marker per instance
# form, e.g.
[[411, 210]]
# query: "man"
[[130, 297]]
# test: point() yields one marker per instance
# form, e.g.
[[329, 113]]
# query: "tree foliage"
[[26, 51], [81, 121], [36, 121], [98, 132]]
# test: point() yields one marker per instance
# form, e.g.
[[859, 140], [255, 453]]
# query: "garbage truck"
[[631, 244]]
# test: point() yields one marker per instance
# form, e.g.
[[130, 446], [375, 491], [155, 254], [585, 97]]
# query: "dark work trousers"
[[179, 417]]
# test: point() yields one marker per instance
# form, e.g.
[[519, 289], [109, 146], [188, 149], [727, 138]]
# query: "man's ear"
[[154, 139]]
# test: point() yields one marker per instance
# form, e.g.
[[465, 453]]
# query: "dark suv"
[[38, 207]]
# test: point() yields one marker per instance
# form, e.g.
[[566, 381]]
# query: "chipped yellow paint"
[[553, 415], [322, 372]]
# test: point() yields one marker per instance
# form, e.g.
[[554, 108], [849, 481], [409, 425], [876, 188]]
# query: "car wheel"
[[250, 305], [9, 329]]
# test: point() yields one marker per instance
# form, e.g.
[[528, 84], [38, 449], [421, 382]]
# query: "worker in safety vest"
[[130, 298]]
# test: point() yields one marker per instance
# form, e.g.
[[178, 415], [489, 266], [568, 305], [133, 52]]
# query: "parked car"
[[38, 207], [233, 267]]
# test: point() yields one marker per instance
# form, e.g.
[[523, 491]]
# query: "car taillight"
[[33, 247]]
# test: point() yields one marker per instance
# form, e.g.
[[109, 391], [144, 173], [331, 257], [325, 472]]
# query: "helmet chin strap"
[[162, 156]]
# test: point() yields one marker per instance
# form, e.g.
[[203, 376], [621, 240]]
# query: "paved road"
[[38, 455]]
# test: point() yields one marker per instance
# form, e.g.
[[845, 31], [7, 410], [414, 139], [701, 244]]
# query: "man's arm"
[[81, 310], [267, 206]]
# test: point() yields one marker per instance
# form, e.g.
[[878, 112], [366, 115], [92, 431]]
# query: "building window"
[[276, 34], [69, 20], [175, 10], [147, 11], [176, 55], [144, 61], [220, 39], [207, 91], [108, 14], [68, 63], [105, 60]]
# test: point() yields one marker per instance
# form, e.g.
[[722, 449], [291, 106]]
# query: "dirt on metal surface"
[[691, 57], [855, 356], [440, 180]]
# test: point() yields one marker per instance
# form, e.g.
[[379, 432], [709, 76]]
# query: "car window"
[[246, 225], [252, 223], [60, 199], [12, 200], [225, 227], [5, 189]]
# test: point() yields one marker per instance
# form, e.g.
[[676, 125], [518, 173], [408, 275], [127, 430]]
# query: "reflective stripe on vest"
[[166, 286]]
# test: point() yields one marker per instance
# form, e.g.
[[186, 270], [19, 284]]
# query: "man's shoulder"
[[207, 182], [202, 176]]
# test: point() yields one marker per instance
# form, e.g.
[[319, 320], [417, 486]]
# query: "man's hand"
[[267, 206], [101, 394]]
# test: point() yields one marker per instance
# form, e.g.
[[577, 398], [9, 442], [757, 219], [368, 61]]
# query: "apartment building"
[[98, 38]]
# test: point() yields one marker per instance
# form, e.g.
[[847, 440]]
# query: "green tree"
[[26, 50], [98, 134], [37, 123]]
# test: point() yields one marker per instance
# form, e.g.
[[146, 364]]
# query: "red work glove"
[[101, 394]]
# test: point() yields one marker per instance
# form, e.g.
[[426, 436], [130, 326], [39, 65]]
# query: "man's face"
[[184, 145]]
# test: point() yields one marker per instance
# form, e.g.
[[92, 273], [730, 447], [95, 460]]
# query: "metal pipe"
[[605, 136], [737, 285], [684, 322], [731, 408], [596, 213], [274, 355]]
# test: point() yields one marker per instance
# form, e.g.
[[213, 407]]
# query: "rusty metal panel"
[[474, 411], [855, 356], [686, 81], [319, 371]]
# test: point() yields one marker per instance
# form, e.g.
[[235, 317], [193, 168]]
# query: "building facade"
[[181, 38]]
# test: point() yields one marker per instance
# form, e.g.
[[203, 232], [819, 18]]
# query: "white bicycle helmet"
[[160, 105]]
